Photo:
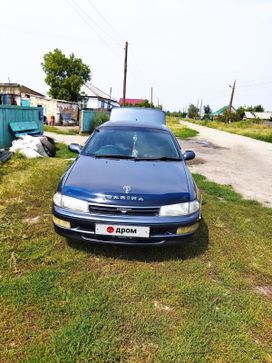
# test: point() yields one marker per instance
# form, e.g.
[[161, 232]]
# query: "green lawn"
[[73, 302], [251, 128]]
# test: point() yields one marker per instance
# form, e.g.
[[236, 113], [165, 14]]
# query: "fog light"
[[188, 229], [61, 223]]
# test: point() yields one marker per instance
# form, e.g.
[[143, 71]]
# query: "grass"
[[64, 152], [72, 302], [63, 131], [179, 130], [250, 128]]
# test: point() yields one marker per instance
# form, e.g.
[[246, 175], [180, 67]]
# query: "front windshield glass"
[[132, 143]]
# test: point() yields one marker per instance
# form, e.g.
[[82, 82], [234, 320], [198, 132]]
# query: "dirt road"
[[67, 139], [227, 158]]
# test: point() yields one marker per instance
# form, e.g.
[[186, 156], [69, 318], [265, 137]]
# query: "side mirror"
[[189, 155], [75, 148]]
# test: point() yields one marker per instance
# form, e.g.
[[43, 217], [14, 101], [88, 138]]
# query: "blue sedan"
[[129, 185]]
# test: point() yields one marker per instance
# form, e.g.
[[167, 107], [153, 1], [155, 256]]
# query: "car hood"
[[149, 182]]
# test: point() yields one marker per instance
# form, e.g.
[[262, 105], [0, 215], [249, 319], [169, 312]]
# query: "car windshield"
[[137, 144]]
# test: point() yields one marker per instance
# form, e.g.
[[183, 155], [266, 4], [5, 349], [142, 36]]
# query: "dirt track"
[[226, 158]]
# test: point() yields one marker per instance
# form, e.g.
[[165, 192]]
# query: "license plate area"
[[122, 231]]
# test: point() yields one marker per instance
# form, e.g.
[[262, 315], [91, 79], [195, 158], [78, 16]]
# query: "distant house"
[[95, 99], [260, 115], [16, 94], [131, 101], [56, 111], [221, 111]]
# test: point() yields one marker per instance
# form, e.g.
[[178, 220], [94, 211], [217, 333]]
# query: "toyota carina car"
[[129, 185]]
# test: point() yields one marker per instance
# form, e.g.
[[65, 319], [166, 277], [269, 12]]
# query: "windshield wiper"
[[110, 156], [162, 158]]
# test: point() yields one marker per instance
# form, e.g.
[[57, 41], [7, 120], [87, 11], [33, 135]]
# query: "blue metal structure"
[[23, 118], [86, 120]]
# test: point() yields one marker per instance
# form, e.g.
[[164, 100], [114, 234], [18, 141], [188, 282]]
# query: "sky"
[[187, 50]]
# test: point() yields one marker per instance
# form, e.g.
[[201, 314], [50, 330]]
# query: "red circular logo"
[[110, 229]]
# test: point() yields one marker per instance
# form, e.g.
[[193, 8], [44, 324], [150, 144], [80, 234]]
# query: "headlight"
[[74, 204], [180, 209]]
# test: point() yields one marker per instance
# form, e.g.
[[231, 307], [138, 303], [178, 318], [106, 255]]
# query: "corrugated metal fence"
[[86, 120], [17, 114]]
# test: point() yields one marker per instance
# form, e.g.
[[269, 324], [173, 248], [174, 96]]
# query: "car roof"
[[138, 114], [150, 125]]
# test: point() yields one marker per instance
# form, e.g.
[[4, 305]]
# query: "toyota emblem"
[[126, 188]]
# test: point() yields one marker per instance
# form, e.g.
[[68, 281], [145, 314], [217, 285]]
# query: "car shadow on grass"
[[183, 251]]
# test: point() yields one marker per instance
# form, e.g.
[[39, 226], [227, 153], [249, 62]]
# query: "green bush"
[[100, 118]]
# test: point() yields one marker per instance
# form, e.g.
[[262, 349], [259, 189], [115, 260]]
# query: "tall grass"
[[250, 128]]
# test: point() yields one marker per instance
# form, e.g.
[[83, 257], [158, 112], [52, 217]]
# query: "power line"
[[95, 22], [117, 35], [120, 37], [81, 14], [87, 19]]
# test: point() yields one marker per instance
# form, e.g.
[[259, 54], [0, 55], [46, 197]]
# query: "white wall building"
[[260, 115], [95, 99]]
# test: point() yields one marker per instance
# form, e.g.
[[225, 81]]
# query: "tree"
[[207, 109], [230, 117], [145, 104], [100, 118], [240, 112], [65, 75], [207, 112], [257, 108], [193, 111]]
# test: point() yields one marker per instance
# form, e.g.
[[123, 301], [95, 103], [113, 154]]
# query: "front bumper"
[[162, 229]]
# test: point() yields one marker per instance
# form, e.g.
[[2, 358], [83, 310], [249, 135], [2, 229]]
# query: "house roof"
[[16, 88], [260, 115], [92, 91], [25, 89], [221, 110], [131, 101]]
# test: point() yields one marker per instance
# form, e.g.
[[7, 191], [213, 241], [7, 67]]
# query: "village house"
[[16, 95], [96, 99], [54, 111], [265, 116]]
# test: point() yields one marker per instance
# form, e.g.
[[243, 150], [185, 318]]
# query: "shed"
[[266, 116]]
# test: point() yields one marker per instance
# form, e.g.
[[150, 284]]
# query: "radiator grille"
[[125, 211]]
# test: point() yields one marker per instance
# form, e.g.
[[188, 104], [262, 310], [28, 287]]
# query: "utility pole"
[[151, 97], [109, 104], [125, 75], [200, 108], [231, 100]]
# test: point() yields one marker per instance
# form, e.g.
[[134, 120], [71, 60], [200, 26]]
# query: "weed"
[[208, 301]]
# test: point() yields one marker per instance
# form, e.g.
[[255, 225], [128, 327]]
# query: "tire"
[[49, 146]]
